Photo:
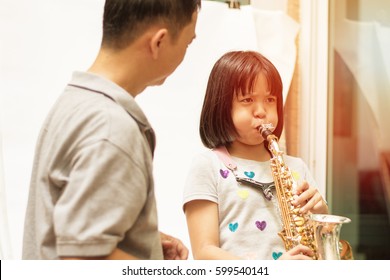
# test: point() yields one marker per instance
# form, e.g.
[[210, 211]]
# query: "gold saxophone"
[[318, 232]]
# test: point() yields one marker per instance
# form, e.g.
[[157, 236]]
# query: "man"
[[92, 193]]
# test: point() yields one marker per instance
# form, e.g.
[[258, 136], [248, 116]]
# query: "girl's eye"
[[271, 99], [247, 100]]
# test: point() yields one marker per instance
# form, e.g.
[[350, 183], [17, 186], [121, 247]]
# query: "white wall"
[[43, 42]]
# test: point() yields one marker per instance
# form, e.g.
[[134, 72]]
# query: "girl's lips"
[[265, 125]]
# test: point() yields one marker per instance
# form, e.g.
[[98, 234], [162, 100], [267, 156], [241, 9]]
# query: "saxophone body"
[[318, 232]]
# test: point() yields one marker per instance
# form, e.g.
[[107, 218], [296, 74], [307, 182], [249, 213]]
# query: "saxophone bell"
[[327, 235]]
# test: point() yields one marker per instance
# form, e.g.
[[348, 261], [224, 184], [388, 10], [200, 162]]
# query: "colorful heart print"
[[276, 255], [296, 175], [243, 194], [233, 227], [249, 174], [261, 225], [224, 173]]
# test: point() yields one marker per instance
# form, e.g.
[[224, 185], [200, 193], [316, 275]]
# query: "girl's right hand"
[[299, 252]]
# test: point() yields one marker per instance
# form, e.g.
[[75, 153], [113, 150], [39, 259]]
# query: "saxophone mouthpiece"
[[266, 130]]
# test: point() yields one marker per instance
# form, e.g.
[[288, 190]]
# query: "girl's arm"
[[203, 228]]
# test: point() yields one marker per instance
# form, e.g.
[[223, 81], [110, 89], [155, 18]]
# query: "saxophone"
[[318, 232]]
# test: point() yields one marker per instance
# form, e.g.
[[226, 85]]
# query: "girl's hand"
[[309, 199], [299, 252]]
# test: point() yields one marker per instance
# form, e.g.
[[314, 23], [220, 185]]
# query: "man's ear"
[[157, 40]]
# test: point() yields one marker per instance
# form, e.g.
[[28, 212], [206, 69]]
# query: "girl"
[[227, 216]]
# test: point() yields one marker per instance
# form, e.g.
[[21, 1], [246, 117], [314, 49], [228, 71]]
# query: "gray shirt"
[[92, 187]]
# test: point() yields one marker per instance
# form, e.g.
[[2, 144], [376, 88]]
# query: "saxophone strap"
[[224, 156]]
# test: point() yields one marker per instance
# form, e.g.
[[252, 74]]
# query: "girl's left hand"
[[309, 199]]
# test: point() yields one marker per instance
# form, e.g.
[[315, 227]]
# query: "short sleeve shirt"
[[91, 186], [249, 223]]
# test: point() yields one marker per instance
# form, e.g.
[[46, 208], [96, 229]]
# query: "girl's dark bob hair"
[[233, 73]]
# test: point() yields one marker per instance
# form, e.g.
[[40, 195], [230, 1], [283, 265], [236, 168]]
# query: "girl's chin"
[[250, 144]]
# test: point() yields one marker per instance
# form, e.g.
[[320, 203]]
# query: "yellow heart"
[[243, 194], [296, 175]]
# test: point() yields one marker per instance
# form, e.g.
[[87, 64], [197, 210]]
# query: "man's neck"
[[120, 68]]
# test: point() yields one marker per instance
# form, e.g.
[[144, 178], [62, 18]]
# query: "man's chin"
[[158, 82]]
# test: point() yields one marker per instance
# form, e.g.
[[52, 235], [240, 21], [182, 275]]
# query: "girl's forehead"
[[253, 89], [253, 92]]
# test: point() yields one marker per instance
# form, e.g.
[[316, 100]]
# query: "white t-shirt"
[[248, 222]]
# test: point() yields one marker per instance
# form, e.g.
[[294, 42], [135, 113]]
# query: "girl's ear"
[[157, 40]]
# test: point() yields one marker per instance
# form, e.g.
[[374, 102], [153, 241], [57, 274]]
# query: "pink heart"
[[224, 173], [261, 225]]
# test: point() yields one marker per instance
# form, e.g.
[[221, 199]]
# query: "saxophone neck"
[[266, 133]]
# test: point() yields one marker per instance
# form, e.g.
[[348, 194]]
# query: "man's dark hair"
[[125, 20]]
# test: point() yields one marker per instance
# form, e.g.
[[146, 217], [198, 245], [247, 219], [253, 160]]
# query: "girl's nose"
[[259, 111]]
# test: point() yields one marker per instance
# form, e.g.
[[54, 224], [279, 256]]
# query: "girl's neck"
[[251, 152]]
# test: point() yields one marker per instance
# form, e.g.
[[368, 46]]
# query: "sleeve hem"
[[85, 249], [200, 197]]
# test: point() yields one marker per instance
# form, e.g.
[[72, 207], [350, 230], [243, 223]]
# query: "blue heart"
[[276, 255], [233, 227], [249, 174]]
